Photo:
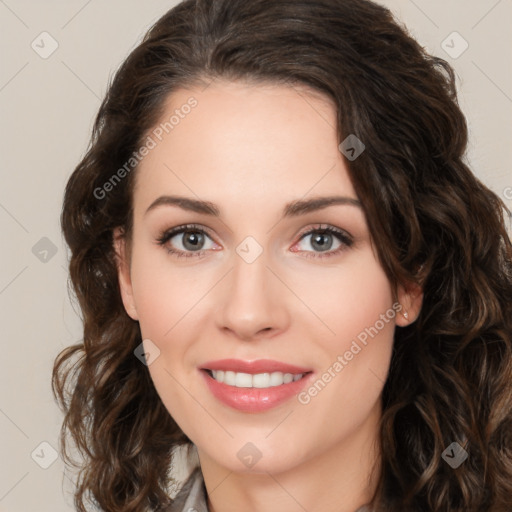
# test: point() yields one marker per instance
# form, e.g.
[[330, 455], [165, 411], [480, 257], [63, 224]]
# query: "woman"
[[284, 264]]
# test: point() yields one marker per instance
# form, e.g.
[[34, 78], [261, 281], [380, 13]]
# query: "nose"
[[254, 301]]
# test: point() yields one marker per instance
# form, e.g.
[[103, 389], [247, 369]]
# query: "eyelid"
[[325, 228]]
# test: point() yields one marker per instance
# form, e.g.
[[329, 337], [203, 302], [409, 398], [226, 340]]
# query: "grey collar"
[[192, 496]]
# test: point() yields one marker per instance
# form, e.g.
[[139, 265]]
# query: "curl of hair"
[[432, 221]]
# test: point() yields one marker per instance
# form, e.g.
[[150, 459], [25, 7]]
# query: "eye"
[[322, 239], [189, 240]]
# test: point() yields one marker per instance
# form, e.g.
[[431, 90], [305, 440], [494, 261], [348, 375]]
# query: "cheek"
[[154, 302], [369, 297], [349, 297], [162, 294], [356, 303], [165, 311]]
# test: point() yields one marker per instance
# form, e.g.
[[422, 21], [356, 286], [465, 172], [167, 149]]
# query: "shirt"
[[192, 497]]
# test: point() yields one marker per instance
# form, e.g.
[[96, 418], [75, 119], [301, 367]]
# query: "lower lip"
[[254, 399]]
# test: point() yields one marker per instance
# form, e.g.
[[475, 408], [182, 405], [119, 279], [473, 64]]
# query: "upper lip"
[[253, 367]]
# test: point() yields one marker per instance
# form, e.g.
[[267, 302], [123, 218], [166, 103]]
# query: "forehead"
[[244, 142]]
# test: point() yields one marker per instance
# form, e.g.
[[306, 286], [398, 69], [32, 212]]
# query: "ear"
[[123, 273], [410, 298]]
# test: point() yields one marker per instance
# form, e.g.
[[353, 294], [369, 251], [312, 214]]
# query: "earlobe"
[[123, 273], [411, 299]]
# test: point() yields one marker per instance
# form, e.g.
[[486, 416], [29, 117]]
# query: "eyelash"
[[345, 239]]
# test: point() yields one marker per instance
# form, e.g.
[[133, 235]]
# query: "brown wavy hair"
[[432, 222]]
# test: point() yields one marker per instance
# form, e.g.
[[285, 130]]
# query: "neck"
[[341, 479]]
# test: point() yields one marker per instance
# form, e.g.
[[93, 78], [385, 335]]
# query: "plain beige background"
[[47, 108]]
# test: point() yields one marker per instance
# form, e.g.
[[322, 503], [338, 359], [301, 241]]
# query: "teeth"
[[276, 379], [287, 378], [243, 380], [258, 380], [261, 380], [230, 378]]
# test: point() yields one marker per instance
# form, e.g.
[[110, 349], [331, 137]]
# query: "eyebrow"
[[291, 209]]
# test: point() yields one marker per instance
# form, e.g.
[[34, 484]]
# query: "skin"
[[250, 149]]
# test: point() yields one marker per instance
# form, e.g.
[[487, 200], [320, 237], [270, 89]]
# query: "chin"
[[256, 457]]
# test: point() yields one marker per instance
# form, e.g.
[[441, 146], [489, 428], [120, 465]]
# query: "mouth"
[[258, 380], [254, 386]]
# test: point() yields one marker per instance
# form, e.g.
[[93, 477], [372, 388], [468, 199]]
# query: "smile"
[[258, 380], [254, 386]]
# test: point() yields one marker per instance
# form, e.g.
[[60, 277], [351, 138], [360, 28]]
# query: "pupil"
[[192, 239], [318, 241]]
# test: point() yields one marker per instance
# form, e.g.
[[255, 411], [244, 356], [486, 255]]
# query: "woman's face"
[[255, 290]]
